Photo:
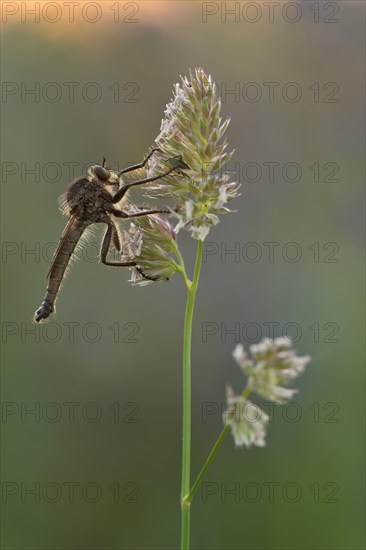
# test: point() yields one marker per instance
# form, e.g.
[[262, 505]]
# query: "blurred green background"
[[120, 371]]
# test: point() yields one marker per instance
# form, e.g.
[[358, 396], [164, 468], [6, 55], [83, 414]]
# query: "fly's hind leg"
[[110, 234]]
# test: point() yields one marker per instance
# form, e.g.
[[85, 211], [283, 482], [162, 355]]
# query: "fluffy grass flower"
[[151, 243], [273, 365], [246, 420], [191, 134]]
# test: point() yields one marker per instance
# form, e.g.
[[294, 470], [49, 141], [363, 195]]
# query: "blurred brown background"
[[102, 449]]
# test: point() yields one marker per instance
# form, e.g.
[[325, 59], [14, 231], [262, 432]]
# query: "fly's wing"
[[64, 237], [116, 238]]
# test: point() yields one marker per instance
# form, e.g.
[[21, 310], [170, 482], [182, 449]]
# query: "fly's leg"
[[112, 233], [119, 214], [121, 192], [141, 164]]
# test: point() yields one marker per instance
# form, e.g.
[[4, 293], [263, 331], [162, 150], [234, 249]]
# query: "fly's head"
[[107, 179]]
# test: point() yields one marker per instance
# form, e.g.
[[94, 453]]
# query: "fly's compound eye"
[[100, 172]]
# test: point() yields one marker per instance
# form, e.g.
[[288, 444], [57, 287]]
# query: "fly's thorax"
[[86, 197], [84, 200], [105, 182]]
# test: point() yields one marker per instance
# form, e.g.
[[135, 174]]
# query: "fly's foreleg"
[[121, 192], [141, 164]]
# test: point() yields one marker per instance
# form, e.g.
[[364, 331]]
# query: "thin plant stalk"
[[186, 447], [188, 498]]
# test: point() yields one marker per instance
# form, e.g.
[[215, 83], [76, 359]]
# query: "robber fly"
[[97, 197]]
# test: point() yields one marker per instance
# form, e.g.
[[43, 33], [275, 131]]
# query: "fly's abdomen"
[[56, 273]]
